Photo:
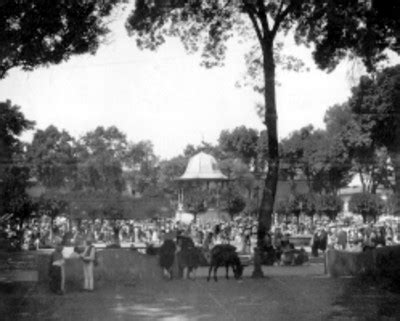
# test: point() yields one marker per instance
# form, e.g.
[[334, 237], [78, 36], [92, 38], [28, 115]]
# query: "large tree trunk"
[[268, 195]]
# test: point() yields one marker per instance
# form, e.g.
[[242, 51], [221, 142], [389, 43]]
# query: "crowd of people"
[[240, 232], [279, 246], [353, 238]]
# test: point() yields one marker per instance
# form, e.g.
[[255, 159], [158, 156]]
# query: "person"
[[167, 255], [88, 257], [57, 270]]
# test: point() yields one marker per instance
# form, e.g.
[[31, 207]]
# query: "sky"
[[166, 96]]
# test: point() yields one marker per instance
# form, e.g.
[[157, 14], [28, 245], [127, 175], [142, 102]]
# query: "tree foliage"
[[232, 200], [318, 155], [241, 142], [141, 166], [369, 160], [41, 32], [329, 205], [12, 124], [375, 101], [13, 177], [52, 156], [366, 204], [52, 206], [14, 196], [100, 159], [336, 28], [197, 200]]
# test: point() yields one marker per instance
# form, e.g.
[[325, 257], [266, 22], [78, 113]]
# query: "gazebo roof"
[[202, 166]]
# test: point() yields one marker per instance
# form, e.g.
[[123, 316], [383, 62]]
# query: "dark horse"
[[225, 255], [167, 256], [187, 257]]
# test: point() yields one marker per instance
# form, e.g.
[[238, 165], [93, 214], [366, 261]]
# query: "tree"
[[318, 155], [296, 204], [337, 28], [330, 163], [16, 200], [294, 151], [369, 160], [376, 102], [282, 208], [233, 200], [330, 205], [241, 142], [42, 32], [142, 166], [169, 171], [309, 206], [52, 206], [52, 154], [12, 124], [196, 201], [205, 147], [366, 204], [101, 154]]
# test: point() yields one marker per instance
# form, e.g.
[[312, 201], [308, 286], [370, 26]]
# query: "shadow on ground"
[[363, 301], [297, 298]]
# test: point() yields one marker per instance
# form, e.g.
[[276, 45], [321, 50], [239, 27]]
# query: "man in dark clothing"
[[342, 239]]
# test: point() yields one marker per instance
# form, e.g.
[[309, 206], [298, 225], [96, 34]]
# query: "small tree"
[[309, 204], [330, 205], [52, 207], [196, 202], [235, 204], [294, 206], [366, 204], [282, 208]]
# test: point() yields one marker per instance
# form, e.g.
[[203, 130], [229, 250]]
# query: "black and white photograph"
[[196, 160]]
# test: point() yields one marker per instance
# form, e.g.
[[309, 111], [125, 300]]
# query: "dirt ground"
[[280, 296]]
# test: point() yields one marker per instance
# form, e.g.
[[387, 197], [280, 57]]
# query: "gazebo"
[[202, 170]]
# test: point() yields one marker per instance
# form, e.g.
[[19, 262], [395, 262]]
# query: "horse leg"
[[209, 273], [227, 271], [215, 273]]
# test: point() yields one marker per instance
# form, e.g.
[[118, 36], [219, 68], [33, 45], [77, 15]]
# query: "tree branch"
[[280, 16], [262, 14], [280, 8], [5, 69], [252, 15]]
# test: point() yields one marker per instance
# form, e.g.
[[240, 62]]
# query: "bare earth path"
[[282, 296]]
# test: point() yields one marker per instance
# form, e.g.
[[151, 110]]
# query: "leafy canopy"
[[337, 27], [41, 32]]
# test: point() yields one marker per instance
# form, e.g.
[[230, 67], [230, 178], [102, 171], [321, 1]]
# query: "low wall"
[[300, 240], [343, 263], [115, 265]]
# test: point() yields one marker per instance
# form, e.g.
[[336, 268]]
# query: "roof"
[[202, 166]]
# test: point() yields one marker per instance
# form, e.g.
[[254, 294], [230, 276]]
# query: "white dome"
[[202, 166]]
